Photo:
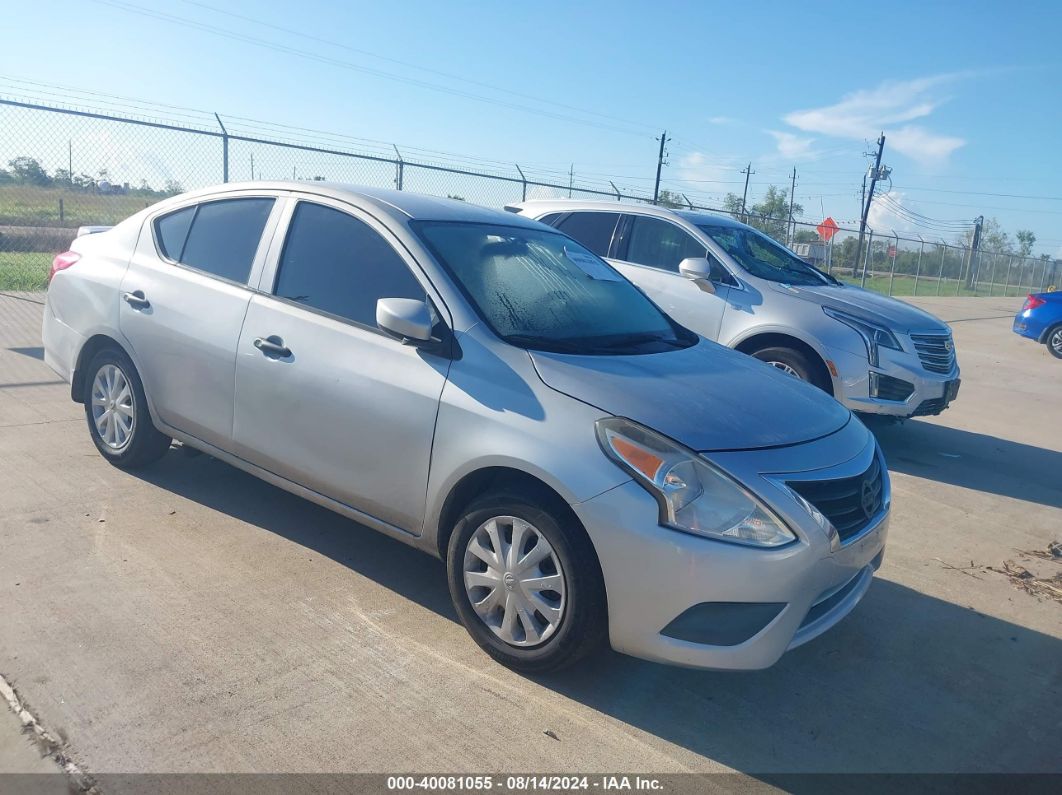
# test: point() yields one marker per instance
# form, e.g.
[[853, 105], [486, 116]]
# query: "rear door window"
[[593, 230], [660, 244], [219, 238], [225, 236]]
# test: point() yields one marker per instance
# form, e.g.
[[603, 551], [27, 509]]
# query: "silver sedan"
[[482, 387]]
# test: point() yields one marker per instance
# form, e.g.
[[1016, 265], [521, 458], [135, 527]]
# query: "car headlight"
[[874, 336], [694, 496]]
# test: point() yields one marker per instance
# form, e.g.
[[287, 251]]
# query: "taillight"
[[1032, 302], [62, 262]]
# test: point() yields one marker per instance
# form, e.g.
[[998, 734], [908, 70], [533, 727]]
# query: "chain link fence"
[[68, 167]]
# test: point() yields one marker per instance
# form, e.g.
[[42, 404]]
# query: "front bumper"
[[655, 577], [929, 393]]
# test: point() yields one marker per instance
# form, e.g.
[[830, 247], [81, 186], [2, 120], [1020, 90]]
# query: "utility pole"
[[659, 165], [870, 195], [979, 222], [748, 172], [571, 179], [70, 161], [789, 226]]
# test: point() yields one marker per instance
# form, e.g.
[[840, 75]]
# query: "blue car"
[[1040, 319]]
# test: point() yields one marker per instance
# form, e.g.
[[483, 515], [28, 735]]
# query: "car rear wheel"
[[1054, 341], [117, 412], [792, 362], [526, 584]]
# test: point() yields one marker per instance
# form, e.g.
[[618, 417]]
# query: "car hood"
[[706, 397], [872, 306]]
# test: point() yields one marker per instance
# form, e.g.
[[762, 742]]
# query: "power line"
[[282, 48], [408, 64]]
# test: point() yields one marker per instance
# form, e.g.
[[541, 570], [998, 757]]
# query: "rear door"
[[184, 297], [342, 408], [648, 251]]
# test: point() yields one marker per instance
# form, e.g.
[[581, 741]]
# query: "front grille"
[[936, 351], [849, 503]]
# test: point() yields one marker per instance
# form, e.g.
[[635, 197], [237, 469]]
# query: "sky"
[[967, 94]]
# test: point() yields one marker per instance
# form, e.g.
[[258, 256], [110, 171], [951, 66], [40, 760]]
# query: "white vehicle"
[[735, 285]]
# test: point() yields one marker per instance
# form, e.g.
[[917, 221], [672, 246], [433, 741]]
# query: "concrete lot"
[[191, 618]]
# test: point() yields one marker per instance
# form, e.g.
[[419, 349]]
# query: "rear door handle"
[[136, 300], [272, 347]]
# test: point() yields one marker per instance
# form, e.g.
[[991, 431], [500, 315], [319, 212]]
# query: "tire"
[[128, 438], [794, 362], [582, 624], [1053, 340]]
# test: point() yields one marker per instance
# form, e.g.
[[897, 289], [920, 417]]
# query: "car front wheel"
[[117, 412], [526, 584]]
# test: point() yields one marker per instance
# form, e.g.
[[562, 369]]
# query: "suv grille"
[[849, 503], [936, 351]]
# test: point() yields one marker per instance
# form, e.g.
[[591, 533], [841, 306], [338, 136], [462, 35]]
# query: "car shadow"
[[908, 682], [33, 353], [972, 460]]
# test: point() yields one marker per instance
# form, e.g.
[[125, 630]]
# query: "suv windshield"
[[763, 257], [539, 289]]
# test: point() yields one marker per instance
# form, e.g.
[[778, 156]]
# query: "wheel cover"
[[113, 407], [514, 581], [785, 368], [1056, 341]]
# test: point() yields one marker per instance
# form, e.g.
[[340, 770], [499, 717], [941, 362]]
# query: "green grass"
[[903, 286], [27, 205], [24, 270]]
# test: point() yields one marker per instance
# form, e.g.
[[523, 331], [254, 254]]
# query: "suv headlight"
[[873, 335], [694, 496]]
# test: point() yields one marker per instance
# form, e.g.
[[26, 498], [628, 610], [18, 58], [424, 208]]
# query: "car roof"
[[570, 205], [401, 206]]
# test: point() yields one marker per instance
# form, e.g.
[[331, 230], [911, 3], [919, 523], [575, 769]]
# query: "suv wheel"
[[117, 412], [526, 584], [792, 362]]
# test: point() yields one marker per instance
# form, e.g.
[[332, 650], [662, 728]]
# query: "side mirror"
[[405, 318], [699, 271]]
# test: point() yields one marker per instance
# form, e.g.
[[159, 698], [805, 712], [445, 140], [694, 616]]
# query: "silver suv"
[[486, 389], [733, 284]]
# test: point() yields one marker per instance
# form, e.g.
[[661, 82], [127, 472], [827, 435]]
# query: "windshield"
[[762, 257], [539, 289]]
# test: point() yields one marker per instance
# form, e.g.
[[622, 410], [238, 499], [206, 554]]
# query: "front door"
[[649, 255], [323, 397]]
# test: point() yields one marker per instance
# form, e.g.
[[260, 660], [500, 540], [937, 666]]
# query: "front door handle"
[[136, 300], [273, 347]]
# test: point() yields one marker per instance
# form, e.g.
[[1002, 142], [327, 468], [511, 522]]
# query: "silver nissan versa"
[[733, 284], [484, 388]]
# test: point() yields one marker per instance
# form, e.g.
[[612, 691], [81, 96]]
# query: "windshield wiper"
[[640, 339]]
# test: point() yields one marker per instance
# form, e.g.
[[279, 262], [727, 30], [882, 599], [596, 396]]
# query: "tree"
[[773, 213], [671, 199], [1026, 241], [29, 171], [806, 236], [172, 187], [732, 204]]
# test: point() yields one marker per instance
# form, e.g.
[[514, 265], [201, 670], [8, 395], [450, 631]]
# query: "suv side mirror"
[[698, 270], [405, 318]]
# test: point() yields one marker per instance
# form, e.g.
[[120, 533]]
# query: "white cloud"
[[891, 107], [791, 146], [721, 120]]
